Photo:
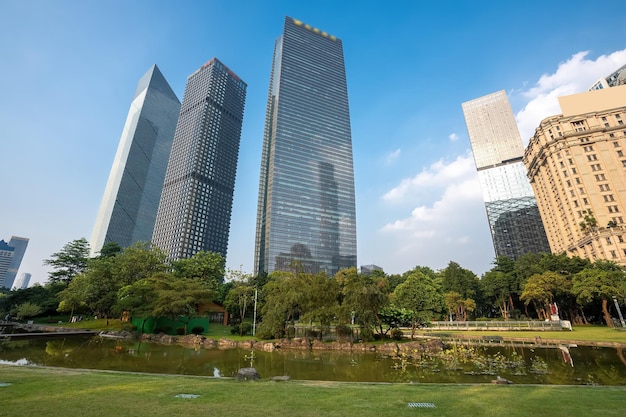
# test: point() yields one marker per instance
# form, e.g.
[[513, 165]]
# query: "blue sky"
[[69, 68]]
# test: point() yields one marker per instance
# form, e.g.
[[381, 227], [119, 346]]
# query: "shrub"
[[197, 330], [129, 327], [180, 331], [242, 328], [367, 335], [397, 334], [343, 331]]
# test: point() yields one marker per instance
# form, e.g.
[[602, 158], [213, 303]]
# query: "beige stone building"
[[576, 164]]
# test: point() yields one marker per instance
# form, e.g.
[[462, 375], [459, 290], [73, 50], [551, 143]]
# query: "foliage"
[[207, 267], [27, 310], [70, 261], [600, 282], [197, 330], [397, 334], [422, 296], [540, 289]]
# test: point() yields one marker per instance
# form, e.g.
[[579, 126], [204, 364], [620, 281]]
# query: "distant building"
[[19, 245], [196, 203], [616, 78], [6, 258], [577, 166], [22, 282], [306, 214], [368, 269], [514, 218], [131, 197]]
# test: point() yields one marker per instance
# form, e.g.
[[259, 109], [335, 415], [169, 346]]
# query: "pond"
[[458, 364]]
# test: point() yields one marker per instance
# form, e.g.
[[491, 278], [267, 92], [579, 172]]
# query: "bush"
[[367, 335], [180, 331], [129, 327], [343, 331], [397, 334], [243, 329], [197, 330]]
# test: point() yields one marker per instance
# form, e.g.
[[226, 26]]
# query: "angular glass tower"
[[514, 219], [19, 244], [131, 197], [196, 203], [306, 210], [6, 258]]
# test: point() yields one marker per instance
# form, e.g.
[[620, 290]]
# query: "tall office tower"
[[20, 244], [22, 282], [6, 259], [577, 166], [131, 197], [306, 209], [196, 204], [512, 211], [616, 78]]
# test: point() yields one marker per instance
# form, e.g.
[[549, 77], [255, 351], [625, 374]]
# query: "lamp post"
[[619, 312]]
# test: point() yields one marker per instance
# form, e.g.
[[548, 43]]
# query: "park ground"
[[26, 391]]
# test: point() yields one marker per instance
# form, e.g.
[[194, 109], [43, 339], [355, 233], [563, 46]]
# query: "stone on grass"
[[247, 374]]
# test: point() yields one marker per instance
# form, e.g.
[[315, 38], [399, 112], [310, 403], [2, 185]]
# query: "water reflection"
[[459, 364]]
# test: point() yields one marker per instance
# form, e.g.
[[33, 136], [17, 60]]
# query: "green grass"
[[62, 392], [579, 333]]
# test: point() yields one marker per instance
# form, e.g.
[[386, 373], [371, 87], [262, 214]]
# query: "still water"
[[459, 364]]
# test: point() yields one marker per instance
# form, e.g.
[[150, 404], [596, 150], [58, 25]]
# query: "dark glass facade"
[[306, 207], [20, 244], [196, 203], [131, 198]]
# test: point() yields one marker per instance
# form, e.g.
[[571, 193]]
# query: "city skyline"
[[196, 201], [306, 188], [131, 197], [68, 77]]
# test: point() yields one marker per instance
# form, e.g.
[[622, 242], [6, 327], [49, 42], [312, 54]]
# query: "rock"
[[501, 381], [247, 374], [226, 344]]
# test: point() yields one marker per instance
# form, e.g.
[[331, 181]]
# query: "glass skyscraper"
[[131, 197], [18, 246], [306, 210], [196, 203], [514, 219]]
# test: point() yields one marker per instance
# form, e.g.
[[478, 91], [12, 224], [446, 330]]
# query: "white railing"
[[499, 325]]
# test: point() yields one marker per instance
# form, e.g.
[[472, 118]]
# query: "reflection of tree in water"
[[58, 348]]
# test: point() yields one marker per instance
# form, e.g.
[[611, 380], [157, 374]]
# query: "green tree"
[[138, 261], [496, 287], [282, 304], [69, 261], [458, 305], [601, 281], [459, 280], [239, 299], [204, 266], [27, 310], [420, 295], [179, 298], [540, 289]]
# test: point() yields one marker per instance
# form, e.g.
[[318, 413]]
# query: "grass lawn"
[[62, 392], [579, 333]]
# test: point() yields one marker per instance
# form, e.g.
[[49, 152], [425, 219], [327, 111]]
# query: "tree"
[[496, 287], [459, 280], [420, 295], [459, 306], [138, 261], [204, 266], [239, 298], [602, 281], [69, 261], [26, 310], [540, 289], [179, 298], [282, 304]]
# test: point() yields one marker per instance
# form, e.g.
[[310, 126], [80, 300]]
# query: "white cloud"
[[436, 175], [453, 137], [573, 76], [392, 156], [452, 227]]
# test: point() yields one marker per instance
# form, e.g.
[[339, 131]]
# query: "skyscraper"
[[514, 218], [196, 203], [306, 208], [22, 282], [131, 197], [19, 245], [577, 166], [6, 258]]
